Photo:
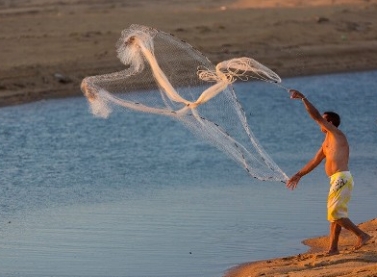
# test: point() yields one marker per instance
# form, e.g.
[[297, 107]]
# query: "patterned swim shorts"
[[341, 184]]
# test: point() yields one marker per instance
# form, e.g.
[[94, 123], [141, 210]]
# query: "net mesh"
[[167, 76]]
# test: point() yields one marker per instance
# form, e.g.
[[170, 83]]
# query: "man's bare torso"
[[335, 148]]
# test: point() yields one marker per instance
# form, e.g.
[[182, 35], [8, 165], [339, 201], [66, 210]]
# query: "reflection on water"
[[82, 196]]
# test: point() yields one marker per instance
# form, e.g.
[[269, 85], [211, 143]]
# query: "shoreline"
[[14, 98]]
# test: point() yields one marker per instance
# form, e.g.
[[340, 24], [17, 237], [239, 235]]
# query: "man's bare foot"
[[362, 241], [332, 252]]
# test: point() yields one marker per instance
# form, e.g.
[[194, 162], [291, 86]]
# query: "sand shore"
[[48, 47], [314, 263]]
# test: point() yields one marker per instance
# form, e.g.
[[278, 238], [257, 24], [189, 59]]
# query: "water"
[[82, 196]]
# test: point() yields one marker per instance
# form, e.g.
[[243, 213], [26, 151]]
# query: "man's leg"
[[334, 238], [350, 226]]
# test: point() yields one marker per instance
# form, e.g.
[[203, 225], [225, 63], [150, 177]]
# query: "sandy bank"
[[314, 263], [47, 47]]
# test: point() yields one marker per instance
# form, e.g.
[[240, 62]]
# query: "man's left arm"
[[313, 163]]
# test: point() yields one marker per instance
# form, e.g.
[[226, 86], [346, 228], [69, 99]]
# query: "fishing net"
[[169, 77]]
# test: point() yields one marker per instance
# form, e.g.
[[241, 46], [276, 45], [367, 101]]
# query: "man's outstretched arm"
[[313, 112], [313, 163]]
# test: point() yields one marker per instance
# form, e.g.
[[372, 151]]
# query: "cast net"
[[167, 76]]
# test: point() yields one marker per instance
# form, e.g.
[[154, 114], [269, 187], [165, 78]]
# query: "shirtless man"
[[335, 150]]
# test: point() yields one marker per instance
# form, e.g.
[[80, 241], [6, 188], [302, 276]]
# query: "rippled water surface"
[[137, 195]]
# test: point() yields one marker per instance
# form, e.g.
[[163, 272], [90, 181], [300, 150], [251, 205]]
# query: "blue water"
[[137, 195]]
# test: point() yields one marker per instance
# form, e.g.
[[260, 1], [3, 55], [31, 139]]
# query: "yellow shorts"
[[341, 184]]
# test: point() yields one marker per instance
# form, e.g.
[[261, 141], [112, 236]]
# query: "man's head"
[[332, 117]]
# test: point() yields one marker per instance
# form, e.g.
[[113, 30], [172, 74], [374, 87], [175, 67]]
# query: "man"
[[335, 151]]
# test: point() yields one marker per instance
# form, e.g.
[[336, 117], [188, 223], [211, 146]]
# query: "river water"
[[137, 195]]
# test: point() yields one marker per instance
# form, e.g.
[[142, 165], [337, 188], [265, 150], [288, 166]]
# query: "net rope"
[[167, 76]]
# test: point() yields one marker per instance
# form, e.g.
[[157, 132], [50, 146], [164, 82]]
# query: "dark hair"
[[333, 117]]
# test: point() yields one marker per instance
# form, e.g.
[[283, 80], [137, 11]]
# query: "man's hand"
[[295, 94], [293, 182]]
